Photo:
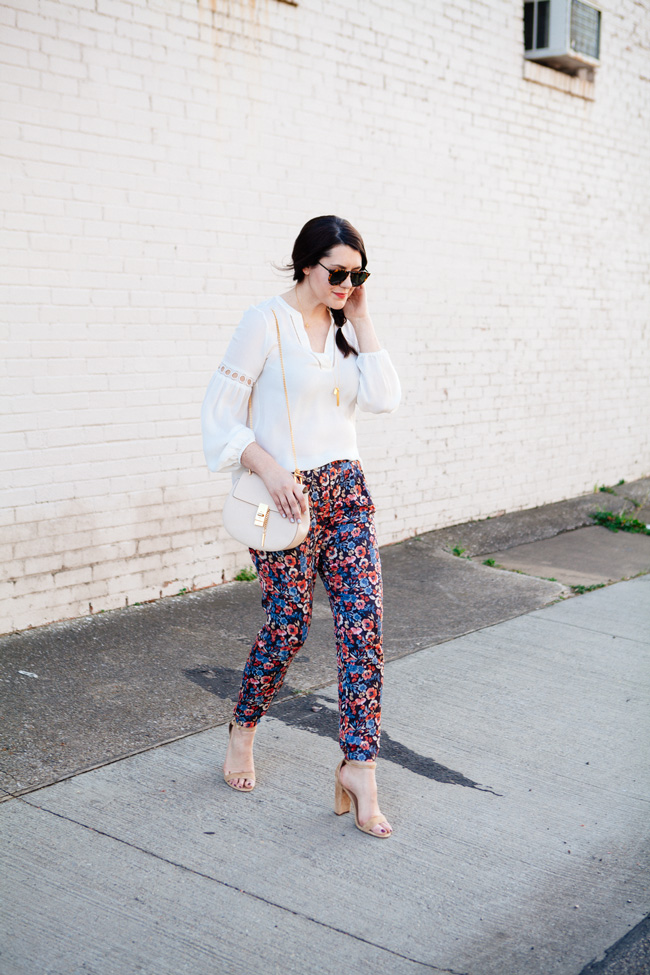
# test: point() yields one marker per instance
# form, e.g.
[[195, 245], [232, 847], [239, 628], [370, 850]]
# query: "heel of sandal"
[[344, 800], [341, 798]]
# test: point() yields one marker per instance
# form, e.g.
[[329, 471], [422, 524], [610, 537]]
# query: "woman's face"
[[339, 257]]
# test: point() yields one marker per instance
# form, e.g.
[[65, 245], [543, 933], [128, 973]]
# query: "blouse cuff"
[[231, 457], [379, 385], [243, 440]]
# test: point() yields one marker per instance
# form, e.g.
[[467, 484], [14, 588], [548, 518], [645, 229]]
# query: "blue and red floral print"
[[342, 548]]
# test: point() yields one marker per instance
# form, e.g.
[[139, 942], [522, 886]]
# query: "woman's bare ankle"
[[359, 778]]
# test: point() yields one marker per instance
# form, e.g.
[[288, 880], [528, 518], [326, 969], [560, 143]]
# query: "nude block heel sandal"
[[344, 799], [231, 777]]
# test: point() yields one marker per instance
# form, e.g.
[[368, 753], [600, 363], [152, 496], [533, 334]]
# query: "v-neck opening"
[[327, 351], [327, 356]]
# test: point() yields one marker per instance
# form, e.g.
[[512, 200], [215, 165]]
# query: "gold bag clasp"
[[262, 516]]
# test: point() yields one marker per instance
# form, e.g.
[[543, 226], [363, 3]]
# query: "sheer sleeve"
[[379, 385], [225, 406]]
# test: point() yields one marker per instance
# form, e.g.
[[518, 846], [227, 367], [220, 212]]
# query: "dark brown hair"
[[315, 240]]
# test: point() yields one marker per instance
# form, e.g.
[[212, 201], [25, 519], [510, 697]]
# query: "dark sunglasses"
[[339, 275]]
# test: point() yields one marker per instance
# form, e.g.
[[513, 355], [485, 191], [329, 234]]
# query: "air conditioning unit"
[[564, 34]]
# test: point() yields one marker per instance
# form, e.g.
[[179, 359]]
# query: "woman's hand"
[[357, 313], [288, 496], [356, 307]]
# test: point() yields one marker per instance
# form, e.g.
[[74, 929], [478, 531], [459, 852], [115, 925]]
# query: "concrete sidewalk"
[[515, 772], [514, 768], [84, 692]]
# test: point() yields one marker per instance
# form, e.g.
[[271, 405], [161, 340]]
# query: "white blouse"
[[322, 431]]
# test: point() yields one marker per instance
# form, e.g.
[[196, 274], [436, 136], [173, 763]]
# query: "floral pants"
[[342, 548]]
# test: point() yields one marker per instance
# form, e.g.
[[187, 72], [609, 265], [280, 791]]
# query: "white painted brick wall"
[[157, 157]]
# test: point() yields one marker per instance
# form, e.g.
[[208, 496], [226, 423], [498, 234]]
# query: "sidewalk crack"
[[246, 893], [588, 629]]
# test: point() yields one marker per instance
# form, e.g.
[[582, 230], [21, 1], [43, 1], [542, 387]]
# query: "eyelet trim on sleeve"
[[235, 375]]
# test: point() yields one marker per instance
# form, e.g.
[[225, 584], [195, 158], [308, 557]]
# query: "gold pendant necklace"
[[337, 390]]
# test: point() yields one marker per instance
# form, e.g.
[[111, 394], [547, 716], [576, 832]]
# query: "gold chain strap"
[[296, 472]]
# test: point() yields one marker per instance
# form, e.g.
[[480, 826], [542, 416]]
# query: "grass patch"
[[623, 522], [608, 490], [459, 551], [246, 575], [581, 590]]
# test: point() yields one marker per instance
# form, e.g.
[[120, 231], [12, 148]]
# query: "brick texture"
[[158, 157]]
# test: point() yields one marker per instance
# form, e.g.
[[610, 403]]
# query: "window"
[[536, 25]]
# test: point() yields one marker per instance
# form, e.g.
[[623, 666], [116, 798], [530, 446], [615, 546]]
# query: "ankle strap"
[[349, 761]]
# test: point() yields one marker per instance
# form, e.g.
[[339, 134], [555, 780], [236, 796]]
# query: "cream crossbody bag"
[[250, 514]]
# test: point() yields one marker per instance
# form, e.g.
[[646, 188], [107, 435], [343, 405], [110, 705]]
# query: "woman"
[[333, 363]]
